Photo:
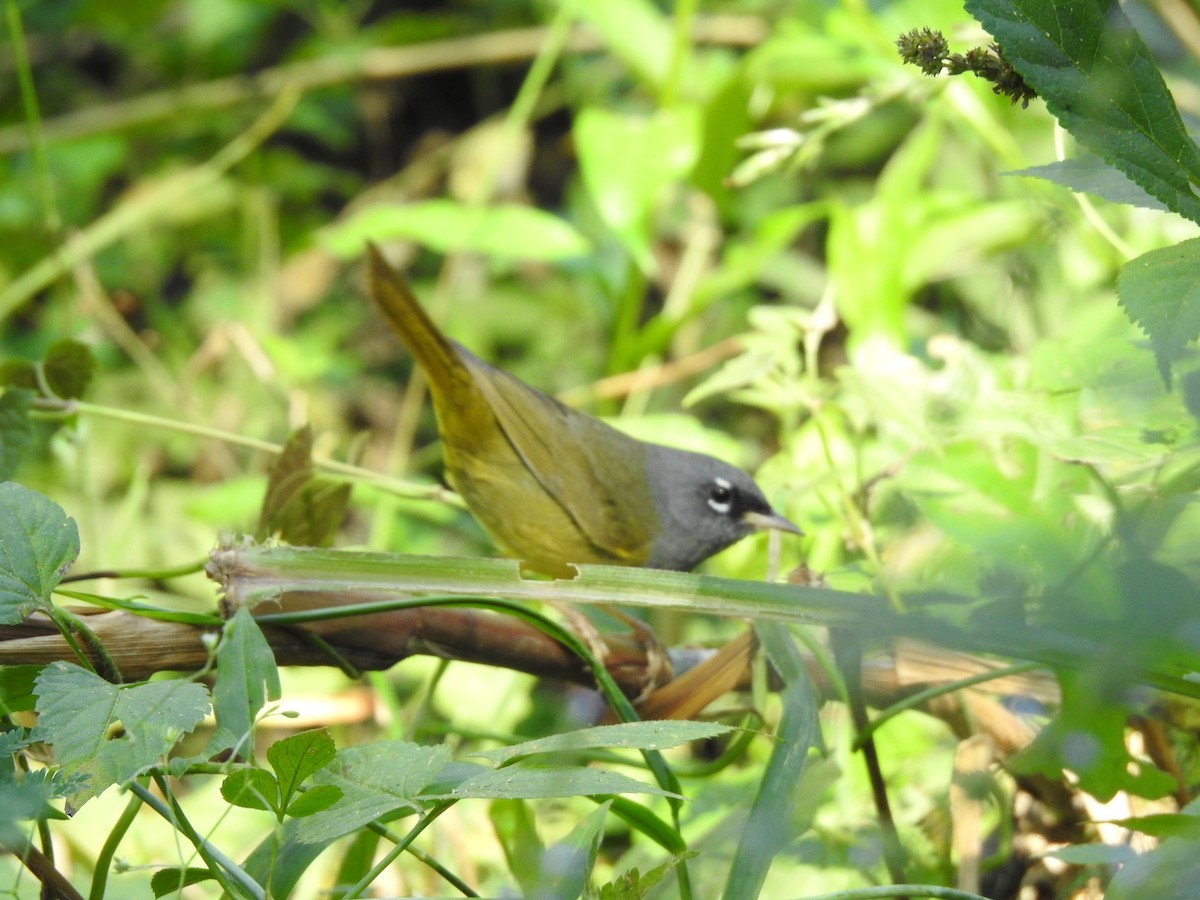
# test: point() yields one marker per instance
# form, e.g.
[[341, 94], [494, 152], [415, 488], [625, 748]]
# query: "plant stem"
[[232, 878], [109, 848]]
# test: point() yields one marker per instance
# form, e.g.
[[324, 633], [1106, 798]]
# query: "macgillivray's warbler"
[[554, 486]]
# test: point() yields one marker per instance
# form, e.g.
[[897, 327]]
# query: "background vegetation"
[[824, 270]]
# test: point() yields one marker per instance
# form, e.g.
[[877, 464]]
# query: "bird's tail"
[[433, 351]]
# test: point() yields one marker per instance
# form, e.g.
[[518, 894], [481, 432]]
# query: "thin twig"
[[380, 64]]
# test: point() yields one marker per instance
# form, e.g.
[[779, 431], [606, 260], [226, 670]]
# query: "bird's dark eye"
[[720, 496]]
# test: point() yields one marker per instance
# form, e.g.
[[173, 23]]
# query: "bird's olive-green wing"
[[596, 473]]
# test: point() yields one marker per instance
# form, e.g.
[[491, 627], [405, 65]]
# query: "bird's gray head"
[[703, 506]]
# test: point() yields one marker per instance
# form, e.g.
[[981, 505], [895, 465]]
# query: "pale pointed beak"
[[770, 521]]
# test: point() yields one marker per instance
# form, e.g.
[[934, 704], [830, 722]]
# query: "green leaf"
[[27, 796], [252, 788], [446, 226], [1169, 872], [314, 800], [513, 823], [1088, 737], [166, 882], [16, 688], [767, 829], [1160, 292], [1088, 174], [247, 678], [298, 757], [1165, 825], [566, 864], [529, 782], [634, 31], [18, 373], [1099, 80], [68, 367], [16, 430], [282, 859], [627, 161], [657, 735], [38, 543], [375, 779], [1094, 854], [301, 507], [111, 733], [632, 885]]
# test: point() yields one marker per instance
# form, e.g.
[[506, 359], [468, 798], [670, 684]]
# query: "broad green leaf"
[[111, 733], [513, 823], [1169, 872], [634, 31], [1088, 738], [314, 800], [16, 688], [1165, 825], [282, 859], [628, 160], [1160, 292], [247, 678], [169, 882], [38, 543], [656, 735], [1094, 854], [252, 788], [566, 864], [768, 827], [16, 429], [68, 367], [375, 779], [632, 885], [508, 232], [529, 782], [296, 758], [1088, 174], [1088, 63]]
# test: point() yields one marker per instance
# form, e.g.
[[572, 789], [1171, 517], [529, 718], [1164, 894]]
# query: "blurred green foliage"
[[922, 357]]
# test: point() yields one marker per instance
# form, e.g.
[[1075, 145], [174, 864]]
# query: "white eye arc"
[[720, 496]]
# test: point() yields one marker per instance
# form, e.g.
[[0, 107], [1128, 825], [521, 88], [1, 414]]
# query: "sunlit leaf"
[[447, 226], [112, 733], [38, 543], [1098, 78]]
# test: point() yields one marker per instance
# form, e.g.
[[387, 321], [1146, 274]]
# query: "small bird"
[[553, 486]]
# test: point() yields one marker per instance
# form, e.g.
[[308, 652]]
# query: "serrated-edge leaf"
[[1091, 175], [1098, 78], [38, 544], [536, 782], [376, 779], [251, 788], [1160, 293], [654, 735], [79, 714], [298, 757]]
